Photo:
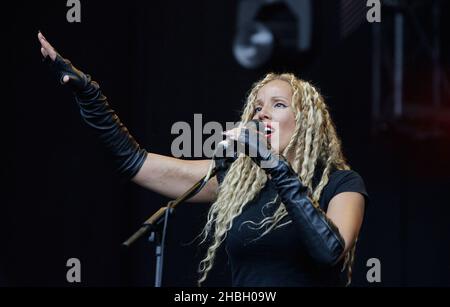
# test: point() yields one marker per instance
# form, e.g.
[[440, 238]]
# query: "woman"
[[290, 215]]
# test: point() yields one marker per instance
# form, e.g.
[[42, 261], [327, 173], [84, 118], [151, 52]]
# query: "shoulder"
[[340, 177], [343, 181]]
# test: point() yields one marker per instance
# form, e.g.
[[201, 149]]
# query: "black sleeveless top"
[[278, 258]]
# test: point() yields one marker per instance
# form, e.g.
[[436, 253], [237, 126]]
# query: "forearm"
[[319, 235], [172, 177], [98, 115], [167, 176]]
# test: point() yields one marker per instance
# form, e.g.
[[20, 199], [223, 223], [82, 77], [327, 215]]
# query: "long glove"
[[319, 235], [97, 114]]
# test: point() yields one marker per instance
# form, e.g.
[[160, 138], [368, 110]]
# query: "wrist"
[[90, 91], [61, 67], [282, 172]]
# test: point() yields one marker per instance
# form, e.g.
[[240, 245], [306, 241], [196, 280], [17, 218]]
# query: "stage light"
[[253, 45], [261, 24]]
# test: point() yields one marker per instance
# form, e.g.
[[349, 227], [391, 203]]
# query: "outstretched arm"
[[165, 175]]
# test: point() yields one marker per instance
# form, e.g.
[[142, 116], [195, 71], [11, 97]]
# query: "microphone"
[[225, 150], [223, 157], [225, 144]]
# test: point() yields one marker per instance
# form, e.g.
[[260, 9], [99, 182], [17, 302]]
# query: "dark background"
[[160, 62]]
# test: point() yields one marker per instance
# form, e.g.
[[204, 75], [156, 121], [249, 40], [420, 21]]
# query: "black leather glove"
[[97, 114], [61, 67], [319, 235], [252, 142], [224, 157]]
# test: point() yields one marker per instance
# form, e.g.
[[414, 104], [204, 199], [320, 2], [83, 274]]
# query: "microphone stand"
[[156, 224]]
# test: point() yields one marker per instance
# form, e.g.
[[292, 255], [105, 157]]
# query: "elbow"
[[327, 261], [130, 167], [329, 256]]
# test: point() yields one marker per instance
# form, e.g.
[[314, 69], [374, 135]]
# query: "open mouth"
[[268, 130]]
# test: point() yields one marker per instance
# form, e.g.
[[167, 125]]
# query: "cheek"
[[288, 126]]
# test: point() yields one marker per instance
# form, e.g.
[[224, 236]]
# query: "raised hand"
[[63, 68]]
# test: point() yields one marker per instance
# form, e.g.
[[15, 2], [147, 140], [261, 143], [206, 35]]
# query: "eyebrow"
[[258, 101], [277, 97]]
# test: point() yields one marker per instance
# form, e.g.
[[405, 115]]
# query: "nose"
[[264, 114]]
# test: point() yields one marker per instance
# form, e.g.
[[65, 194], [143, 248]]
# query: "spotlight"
[[253, 45], [262, 24]]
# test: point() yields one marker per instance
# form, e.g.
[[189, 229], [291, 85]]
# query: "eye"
[[280, 105], [257, 109]]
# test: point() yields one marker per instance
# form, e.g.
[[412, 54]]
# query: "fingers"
[[236, 133], [233, 134], [46, 48], [43, 41], [44, 52]]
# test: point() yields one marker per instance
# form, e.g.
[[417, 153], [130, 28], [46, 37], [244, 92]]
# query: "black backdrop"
[[160, 62]]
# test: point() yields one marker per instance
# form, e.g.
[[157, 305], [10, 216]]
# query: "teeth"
[[267, 130]]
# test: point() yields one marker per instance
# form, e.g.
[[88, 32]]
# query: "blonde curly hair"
[[314, 141]]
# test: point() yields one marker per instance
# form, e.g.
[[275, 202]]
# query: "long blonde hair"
[[314, 141]]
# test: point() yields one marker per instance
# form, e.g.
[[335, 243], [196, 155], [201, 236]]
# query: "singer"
[[289, 215]]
